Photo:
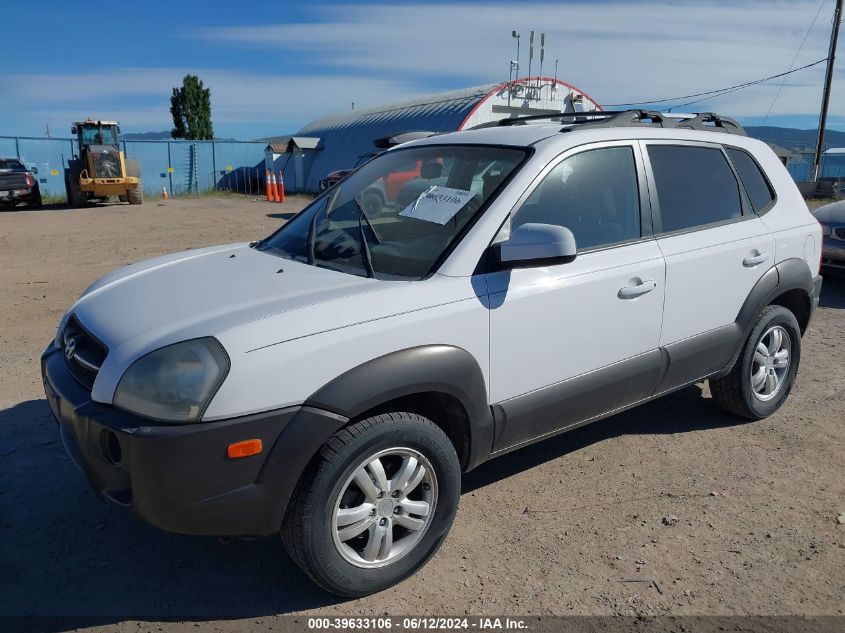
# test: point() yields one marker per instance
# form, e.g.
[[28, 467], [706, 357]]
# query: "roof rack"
[[705, 121]]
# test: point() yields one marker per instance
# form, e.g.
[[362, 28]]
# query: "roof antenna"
[[530, 52], [542, 56]]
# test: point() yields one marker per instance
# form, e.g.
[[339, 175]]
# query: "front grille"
[[87, 354], [839, 232]]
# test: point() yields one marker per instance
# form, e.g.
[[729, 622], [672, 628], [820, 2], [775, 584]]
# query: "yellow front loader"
[[100, 170]]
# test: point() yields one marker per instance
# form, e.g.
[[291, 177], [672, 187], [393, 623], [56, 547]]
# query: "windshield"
[[395, 217], [93, 135]]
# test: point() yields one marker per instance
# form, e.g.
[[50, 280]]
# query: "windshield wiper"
[[365, 246]]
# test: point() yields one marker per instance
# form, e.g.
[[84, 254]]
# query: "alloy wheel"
[[770, 363], [384, 508]]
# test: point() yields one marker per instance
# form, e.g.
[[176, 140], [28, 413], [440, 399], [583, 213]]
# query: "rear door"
[[716, 249]]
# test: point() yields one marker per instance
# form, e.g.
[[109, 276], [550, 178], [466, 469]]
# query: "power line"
[[797, 53], [720, 90]]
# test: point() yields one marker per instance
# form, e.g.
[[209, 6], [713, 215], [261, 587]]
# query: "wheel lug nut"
[[395, 493], [397, 510], [383, 522]]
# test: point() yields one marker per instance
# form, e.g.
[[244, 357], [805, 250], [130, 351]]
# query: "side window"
[[756, 186], [594, 194], [695, 186]]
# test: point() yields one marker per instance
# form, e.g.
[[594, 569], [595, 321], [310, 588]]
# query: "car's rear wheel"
[[763, 375], [375, 505]]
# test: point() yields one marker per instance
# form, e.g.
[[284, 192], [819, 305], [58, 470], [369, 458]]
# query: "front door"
[[572, 341]]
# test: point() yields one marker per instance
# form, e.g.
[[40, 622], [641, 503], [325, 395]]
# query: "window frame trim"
[[746, 211], [768, 182], [646, 230]]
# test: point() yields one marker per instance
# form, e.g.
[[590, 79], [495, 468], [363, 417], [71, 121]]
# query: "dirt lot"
[[562, 527]]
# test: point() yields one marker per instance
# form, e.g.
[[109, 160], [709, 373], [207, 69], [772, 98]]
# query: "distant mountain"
[[794, 139], [147, 136]]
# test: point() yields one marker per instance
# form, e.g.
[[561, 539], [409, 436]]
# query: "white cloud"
[[614, 51], [382, 53], [236, 97]]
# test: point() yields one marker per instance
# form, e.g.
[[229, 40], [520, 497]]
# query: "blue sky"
[[273, 66]]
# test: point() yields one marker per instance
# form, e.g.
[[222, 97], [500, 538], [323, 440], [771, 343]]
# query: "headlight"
[[174, 383], [826, 230]]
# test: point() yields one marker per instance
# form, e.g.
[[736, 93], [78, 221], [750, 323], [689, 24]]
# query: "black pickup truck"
[[18, 184]]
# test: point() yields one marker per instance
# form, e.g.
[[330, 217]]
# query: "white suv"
[[333, 380]]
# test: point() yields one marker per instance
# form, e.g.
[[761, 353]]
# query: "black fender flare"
[[790, 274], [429, 368]]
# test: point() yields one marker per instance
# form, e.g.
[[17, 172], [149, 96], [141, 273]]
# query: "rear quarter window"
[[695, 186], [756, 185]]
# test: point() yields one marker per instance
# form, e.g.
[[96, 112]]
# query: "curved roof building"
[[346, 140]]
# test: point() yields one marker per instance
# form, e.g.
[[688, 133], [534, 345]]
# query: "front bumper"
[[833, 252], [179, 477], [108, 186]]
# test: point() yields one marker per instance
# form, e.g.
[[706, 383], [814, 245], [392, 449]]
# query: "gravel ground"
[[672, 508]]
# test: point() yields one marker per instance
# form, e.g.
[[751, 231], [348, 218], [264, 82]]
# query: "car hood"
[[833, 212], [202, 292]]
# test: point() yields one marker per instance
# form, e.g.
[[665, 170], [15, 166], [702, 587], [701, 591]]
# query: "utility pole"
[[514, 66], [828, 78]]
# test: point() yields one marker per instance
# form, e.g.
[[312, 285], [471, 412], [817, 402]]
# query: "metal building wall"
[[347, 139], [181, 166]]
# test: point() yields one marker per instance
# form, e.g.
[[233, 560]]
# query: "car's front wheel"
[[375, 505], [762, 377]]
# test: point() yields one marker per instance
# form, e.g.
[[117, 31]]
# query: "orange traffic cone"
[[274, 188], [164, 195], [281, 188], [267, 189]]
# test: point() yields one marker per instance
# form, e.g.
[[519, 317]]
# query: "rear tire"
[[351, 555], [135, 196], [123, 197], [762, 377], [36, 202]]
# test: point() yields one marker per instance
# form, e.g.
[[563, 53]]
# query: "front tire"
[[135, 196], [762, 377], [375, 504]]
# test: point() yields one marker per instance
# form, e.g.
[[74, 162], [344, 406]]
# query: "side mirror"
[[34, 170], [538, 245], [73, 130]]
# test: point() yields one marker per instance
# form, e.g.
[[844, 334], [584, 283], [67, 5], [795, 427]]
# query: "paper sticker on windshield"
[[437, 204]]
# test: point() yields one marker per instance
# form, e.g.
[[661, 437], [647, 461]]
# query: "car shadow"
[[78, 561], [833, 290], [65, 553], [680, 412]]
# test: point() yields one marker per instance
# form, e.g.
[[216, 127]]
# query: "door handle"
[[630, 292], [753, 260]]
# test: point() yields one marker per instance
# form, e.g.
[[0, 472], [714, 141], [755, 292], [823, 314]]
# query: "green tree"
[[190, 106]]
